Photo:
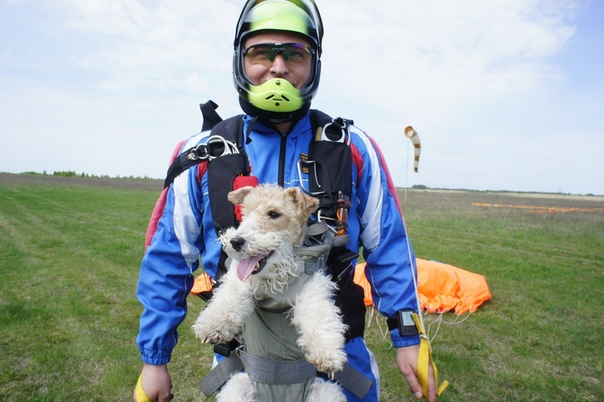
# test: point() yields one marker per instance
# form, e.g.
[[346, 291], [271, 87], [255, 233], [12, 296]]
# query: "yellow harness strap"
[[141, 396], [424, 361]]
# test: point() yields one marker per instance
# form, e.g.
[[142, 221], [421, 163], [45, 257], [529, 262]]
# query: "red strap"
[[239, 182]]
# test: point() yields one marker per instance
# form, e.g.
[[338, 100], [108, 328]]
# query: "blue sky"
[[505, 94]]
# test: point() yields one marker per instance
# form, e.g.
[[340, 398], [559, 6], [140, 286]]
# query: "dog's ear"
[[305, 202], [237, 196]]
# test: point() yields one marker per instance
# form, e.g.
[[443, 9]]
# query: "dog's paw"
[[215, 338], [210, 333], [328, 361]]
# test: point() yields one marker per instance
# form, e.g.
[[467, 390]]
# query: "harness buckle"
[[216, 146], [341, 125], [199, 152]]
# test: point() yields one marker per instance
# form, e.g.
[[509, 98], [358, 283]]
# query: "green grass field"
[[70, 251]]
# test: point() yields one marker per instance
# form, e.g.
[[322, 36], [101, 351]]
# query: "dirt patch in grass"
[[541, 201], [540, 209]]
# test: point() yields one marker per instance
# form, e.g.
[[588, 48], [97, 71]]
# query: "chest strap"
[[270, 371]]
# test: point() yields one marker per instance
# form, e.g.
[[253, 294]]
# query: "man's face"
[[259, 68]]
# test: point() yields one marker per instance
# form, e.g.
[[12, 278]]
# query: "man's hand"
[[406, 359], [156, 383]]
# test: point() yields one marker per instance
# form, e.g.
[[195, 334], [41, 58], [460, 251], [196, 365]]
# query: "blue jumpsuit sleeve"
[[166, 273], [386, 247]]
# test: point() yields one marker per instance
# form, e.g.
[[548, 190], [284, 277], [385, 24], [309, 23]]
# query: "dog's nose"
[[237, 242]]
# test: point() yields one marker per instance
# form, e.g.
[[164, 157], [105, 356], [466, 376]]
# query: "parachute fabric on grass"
[[441, 287]]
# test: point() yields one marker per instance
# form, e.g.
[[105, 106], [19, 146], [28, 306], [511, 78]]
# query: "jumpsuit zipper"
[[282, 150]]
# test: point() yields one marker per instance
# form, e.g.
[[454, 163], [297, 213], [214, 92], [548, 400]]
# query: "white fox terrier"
[[284, 312]]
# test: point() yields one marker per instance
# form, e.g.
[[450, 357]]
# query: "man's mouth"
[[252, 265]]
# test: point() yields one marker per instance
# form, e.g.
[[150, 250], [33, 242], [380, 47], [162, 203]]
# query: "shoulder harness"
[[329, 168], [328, 164]]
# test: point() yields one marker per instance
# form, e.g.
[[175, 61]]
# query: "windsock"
[[414, 137]]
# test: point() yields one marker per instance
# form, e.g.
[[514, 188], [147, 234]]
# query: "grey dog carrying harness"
[[269, 372], [278, 372]]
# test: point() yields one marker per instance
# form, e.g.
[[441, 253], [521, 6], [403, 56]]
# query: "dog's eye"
[[273, 214]]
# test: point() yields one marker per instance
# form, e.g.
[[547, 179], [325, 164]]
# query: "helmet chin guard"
[[277, 99], [276, 95]]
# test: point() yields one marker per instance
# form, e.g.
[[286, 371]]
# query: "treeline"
[[71, 173]]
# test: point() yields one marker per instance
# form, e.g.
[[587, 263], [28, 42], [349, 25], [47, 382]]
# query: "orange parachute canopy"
[[441, 287]]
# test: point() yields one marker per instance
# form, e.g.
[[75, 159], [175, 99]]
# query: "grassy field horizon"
[[70, 250], [83, 179]]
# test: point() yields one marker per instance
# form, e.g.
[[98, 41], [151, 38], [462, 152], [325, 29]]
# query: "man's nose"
[[279, 67]]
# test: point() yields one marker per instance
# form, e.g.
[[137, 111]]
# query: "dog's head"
[[274, 220]]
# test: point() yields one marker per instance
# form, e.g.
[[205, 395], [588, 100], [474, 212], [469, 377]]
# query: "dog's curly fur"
[[274, 222]]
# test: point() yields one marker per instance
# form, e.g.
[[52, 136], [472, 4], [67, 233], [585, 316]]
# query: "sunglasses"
[[265, 53]]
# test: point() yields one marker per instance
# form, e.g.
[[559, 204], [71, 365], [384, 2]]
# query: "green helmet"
[[277, 99]]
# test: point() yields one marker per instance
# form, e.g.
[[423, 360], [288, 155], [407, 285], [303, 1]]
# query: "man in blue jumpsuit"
[[276, 69]]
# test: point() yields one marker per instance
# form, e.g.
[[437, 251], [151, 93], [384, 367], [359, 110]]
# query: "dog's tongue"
[[247, 266]]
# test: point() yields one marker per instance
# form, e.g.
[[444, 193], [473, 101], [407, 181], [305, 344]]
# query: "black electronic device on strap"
[[403, 320]]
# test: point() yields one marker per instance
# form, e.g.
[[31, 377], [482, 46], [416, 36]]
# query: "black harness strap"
[[329, 162], [222, 172], [182, 162], [210, 116]]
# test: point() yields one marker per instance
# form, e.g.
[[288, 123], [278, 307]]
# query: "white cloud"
[[137, 44], [445, 52]]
